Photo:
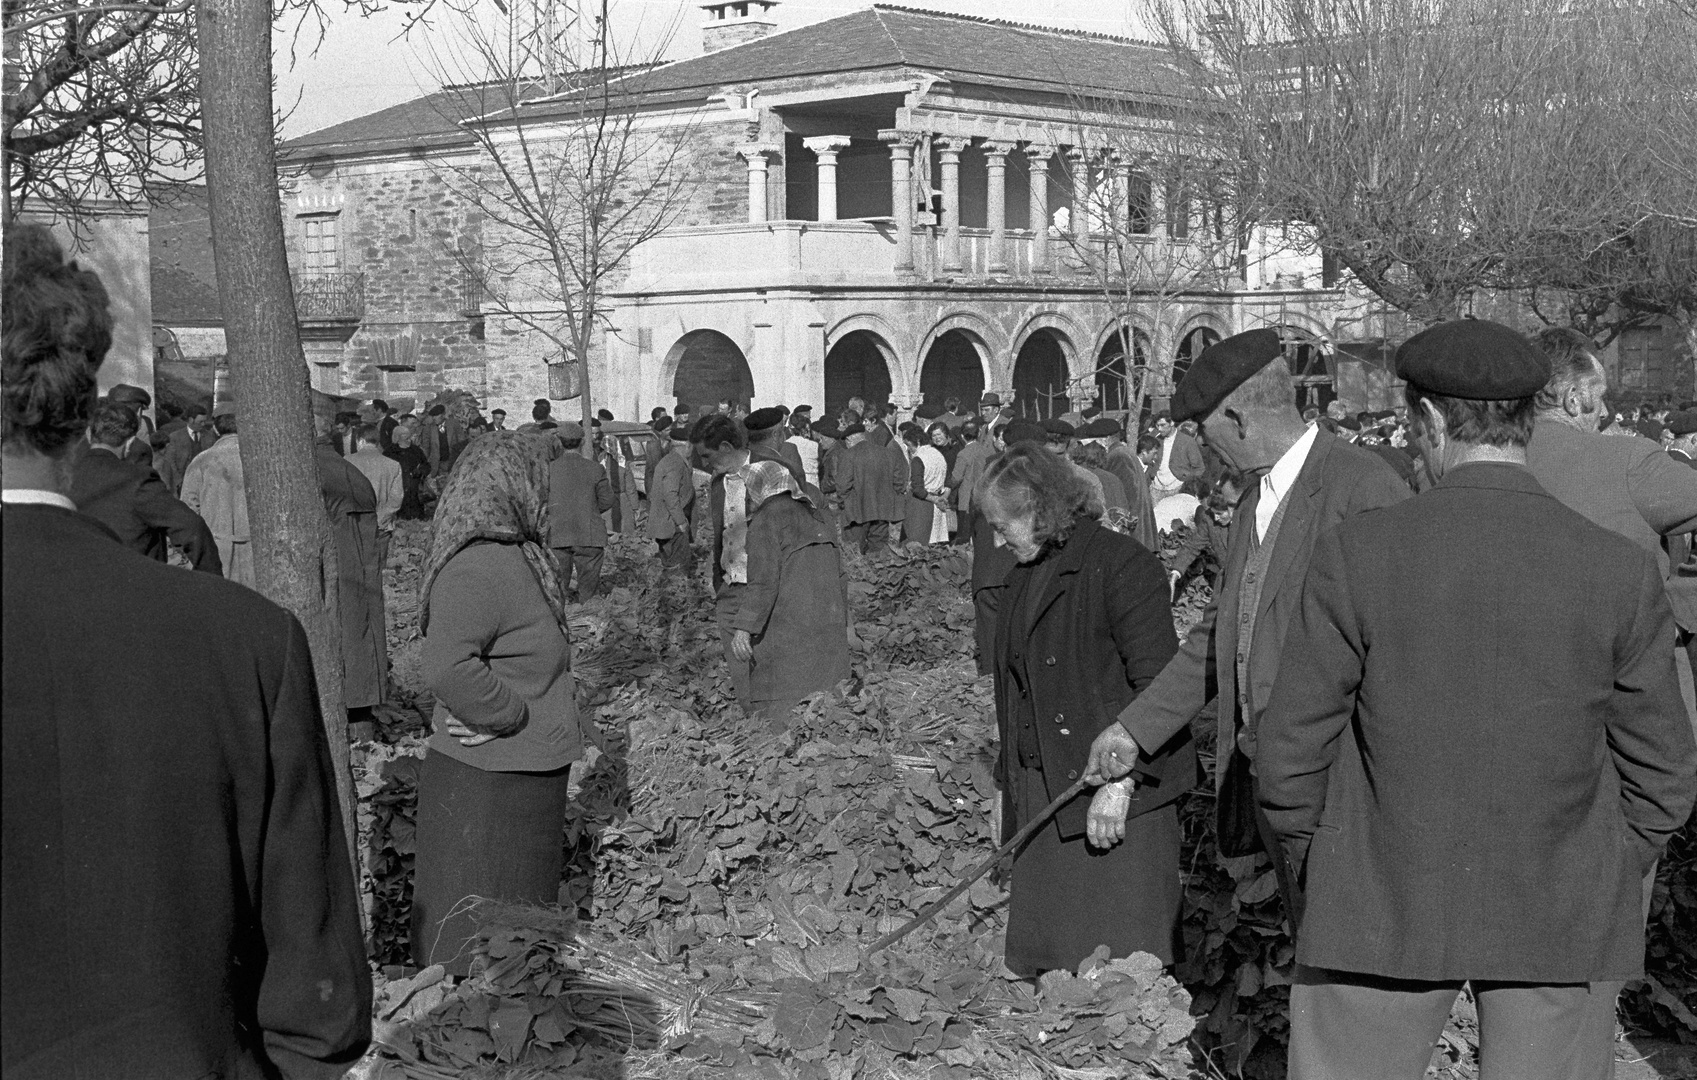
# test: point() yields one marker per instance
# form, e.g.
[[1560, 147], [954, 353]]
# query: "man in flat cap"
[[1628, 486], [768, 440], [1304, 481], [1474, 749]]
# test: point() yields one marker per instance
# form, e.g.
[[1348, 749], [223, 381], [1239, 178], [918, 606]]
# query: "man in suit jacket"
[[1181, 457], [871, 484], [186, 443], [1684, 427], [1474, 751], [131, 501], [578, 494], [671, 498], [1307, 482]]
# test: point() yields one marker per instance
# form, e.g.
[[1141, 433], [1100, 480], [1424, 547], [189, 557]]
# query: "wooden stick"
[[983, 868]]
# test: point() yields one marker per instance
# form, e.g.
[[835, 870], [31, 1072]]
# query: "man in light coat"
[[214, 488], [384, 473], [671, 498]]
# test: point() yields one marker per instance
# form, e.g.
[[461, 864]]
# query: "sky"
[[363, 63]]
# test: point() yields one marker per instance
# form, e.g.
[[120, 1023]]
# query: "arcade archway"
[[952, 369], [856, 367], [708, 367], [1040, 377], [1114, 385]]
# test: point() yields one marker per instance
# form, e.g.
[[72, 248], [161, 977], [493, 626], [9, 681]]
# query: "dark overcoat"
[[871, 483], [1103, 629], [352, 505], [578, 494], [134, 503], [1476, 746], [795, 607], [178, 896]]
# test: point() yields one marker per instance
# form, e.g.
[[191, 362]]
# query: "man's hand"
[[742, 646], [1112, 755], [467, 737], [1105, 826]]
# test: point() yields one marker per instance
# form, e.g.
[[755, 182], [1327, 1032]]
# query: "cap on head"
[[1059, 429], [763, 420], [1473, 359], [133, 396], [569, 430], [827, 429], [854, 429], [1223, 367], [1022, 430], [1683, 423], [990, 401]]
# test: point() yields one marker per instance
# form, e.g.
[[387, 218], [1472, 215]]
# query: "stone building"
[[892, 204]]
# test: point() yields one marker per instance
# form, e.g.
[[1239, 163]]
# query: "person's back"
[[132, 501], [169, 810], [578, 491]]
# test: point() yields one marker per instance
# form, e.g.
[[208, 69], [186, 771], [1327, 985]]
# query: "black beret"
[[1092, 412], [764, 419], [1099, 428], [1683, 423], [1059, 427], [1350, 423], [827, 429], [1022, 430], [928, 412], [804, 409], [853, 429], [1223, 367], [1475, 359]]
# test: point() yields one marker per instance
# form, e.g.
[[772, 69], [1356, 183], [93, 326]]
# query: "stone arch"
[[705, 365], [1112, 377], [985, 340], [858, 364], [1204, 318], [1042, 374], [1072, 337]]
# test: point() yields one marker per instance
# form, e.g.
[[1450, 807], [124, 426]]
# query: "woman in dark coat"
[[1083, 624], [792, 623], [415, 468], [492, 791]]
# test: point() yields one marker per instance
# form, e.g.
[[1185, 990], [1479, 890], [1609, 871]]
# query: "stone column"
[[996, 162], [901, 191], [949, 151], [826, 148], [755, 155], [1039, 157], [1079, 158]]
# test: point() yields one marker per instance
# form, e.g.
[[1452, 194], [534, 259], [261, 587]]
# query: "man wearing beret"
[[1628, 486], [1474, 749], [768, 440], [1684, 428], [1306, 480]]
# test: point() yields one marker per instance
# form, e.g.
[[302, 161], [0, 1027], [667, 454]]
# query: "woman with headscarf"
[[792, 623], [492, 791], [1082, 625]]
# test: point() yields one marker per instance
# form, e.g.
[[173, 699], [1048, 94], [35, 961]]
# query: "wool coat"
[[872, 483], [1628, 486], [178, 898], [352, 505], [1124, 463], [1476, 747], [184, 446], [578, 494], [795, 607], [670, 497], [133, 502], [1337, 481], [1100, 633]]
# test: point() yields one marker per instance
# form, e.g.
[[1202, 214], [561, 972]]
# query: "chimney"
[[736, 22]]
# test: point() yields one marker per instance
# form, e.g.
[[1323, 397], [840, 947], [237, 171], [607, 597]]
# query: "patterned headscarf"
[[764, 479], [498, 491]]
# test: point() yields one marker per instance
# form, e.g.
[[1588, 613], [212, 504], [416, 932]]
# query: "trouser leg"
[[1546, 1032], [877, 535], [1345, 1026], [854, 535], [587, 561], [725, 608]]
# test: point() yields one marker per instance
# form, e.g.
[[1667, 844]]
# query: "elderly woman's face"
[[1016, 532], [402, 435], [939, 437]]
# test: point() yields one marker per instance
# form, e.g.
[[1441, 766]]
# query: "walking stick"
[[983, 868]]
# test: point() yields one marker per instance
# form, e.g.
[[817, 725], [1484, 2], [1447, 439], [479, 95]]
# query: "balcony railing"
[[329, 296]]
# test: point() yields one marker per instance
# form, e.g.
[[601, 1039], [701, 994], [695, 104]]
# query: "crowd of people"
[[1447, 667]]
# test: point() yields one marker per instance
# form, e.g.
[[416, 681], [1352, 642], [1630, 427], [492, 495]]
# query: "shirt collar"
[[35, 497], [1282, 476]]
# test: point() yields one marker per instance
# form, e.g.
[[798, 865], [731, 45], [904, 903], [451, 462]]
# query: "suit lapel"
[[1301, 509]]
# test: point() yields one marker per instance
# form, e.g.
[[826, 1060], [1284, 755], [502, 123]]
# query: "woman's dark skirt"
[[1066, 897], [495, 835]]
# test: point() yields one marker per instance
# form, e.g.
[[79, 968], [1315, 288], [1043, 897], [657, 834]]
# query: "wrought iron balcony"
[[329, 297]]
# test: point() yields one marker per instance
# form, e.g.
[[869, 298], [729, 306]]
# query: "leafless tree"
[[568, 178], [101, 101], [1440, 147]]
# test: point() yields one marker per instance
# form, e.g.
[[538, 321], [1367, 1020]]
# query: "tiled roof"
[[179, 240], [881, 37]]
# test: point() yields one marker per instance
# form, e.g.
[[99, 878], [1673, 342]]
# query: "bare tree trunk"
[[294, 549]]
